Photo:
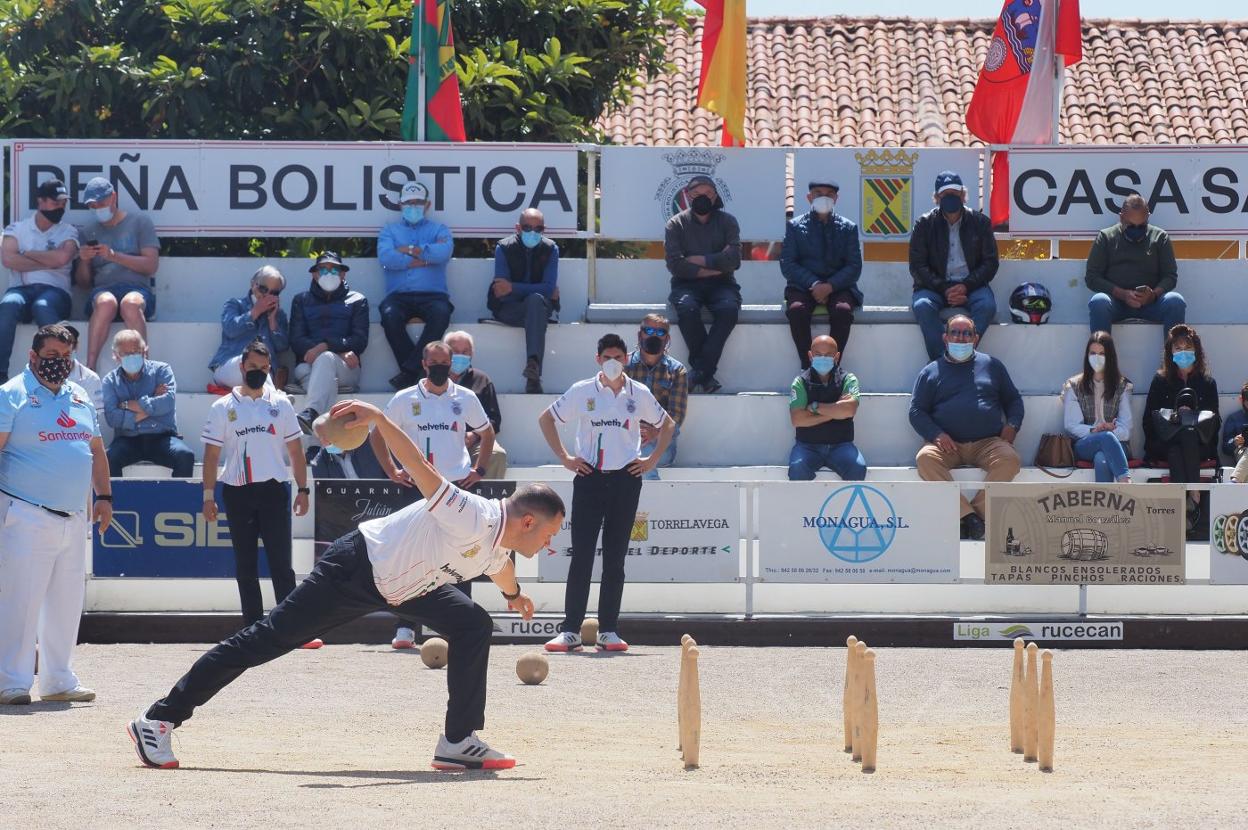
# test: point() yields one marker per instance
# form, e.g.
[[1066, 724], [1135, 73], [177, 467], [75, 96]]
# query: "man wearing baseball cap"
[[953, 258], [39, 252], [119, 258], [413, 253]]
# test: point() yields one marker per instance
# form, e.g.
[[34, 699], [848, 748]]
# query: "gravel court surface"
[[343, 737]]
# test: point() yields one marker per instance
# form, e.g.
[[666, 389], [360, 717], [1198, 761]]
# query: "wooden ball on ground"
[[335, 431], [433, 652], [532, 668], [589, 631]]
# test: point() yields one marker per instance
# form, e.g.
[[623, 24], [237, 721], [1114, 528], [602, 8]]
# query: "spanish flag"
[[721, 89], [433, 46]]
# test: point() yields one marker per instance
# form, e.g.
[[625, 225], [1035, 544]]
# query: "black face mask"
[[54, 216], [1135, 233], [439, 373], [702, 205], [254, 378], [55, 369], [652, 344]]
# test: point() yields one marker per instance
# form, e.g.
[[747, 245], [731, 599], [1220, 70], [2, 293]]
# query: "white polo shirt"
[[252, 434], [30, 238], [94, 387], [608, 426], [437, 423], [449, 538]]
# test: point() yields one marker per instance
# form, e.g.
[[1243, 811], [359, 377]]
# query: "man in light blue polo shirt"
[[50, 454], [413, 253]]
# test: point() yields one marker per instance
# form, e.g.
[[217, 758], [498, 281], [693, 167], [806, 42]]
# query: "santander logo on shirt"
[[66, 423]]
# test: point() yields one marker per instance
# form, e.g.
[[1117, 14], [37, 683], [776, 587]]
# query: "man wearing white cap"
[[413, 253]]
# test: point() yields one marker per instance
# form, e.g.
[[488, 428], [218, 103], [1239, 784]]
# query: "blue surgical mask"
[[823, 364], [960, 352], [132, 363], [413, 214], [332, 450], [530, 238], [104, 214], [460, 363], [1185, 359]]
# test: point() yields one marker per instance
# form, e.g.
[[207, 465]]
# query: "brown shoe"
[[533, 377]]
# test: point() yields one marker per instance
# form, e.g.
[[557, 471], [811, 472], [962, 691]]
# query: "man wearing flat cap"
[[953, 257], [702, 245], [821, 260]]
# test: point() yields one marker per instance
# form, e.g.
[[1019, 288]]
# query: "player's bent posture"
[[405, 562]]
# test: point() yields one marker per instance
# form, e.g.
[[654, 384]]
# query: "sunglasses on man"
[[528, 228], [264, 290], [329, 272], [651, 331], [961, 334]]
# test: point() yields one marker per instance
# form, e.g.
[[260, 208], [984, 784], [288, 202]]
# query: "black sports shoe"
[[710, 385], [973, 527], [306, 418]]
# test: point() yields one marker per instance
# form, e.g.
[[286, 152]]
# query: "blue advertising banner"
[[159, 530]]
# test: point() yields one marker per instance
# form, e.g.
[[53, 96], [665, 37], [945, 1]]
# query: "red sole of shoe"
[[505, 764], [312, 645], [403, 644]]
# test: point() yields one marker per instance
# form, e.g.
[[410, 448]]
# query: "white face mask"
[[1097, 362], [612, 368], [103, 214], [329, 283], [823, 204]]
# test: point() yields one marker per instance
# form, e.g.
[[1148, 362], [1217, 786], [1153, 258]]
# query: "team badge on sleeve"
[[416, 408], [589, 405], [231, 415]]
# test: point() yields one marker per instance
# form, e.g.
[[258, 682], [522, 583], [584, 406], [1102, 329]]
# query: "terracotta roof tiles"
[[839, 81]]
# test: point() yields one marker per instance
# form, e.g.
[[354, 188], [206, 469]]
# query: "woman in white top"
[[1097, 410], [255, 428]]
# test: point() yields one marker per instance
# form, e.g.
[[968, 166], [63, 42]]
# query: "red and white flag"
[[1015, 100]]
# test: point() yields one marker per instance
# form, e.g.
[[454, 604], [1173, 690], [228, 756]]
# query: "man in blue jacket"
[[257, 315], [525, 289], [821, 260], [329, 333], [413, 253], [140, 405]]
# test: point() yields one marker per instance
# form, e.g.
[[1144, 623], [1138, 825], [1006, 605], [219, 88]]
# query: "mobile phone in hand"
[[92, 242]]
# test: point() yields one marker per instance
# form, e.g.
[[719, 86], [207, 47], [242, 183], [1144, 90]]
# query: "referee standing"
[[50, 448], [255, 426], [607, 410]]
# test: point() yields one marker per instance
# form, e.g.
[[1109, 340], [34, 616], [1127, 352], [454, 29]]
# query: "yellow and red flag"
[[433, 45], [721, 88]]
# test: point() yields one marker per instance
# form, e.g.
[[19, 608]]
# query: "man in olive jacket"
[[1133, 271]]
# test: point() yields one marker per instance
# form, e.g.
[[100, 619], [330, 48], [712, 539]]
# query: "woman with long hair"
[[1097, 410]]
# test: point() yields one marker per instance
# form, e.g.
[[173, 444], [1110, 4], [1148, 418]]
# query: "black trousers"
[[799, 308], [340, 589], [1183, 455], [260, 510], [606, 501]]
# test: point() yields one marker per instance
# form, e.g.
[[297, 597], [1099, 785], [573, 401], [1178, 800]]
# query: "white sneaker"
[[565, 641], [403, 638], [78, 694], [152, 742], [470, 753], [610, 641], [15, 697]]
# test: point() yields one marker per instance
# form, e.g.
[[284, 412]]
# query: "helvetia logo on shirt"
[[427, 427], [256, 430], [609, 422]]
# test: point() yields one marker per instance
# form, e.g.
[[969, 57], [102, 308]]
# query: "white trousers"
[[328, 375], [43, 564]]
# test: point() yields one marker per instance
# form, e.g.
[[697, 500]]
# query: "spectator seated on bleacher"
[[1233, 429], [328, 461], [468, 376], [413, 253], [702, 245], [1181, 417], [525, 289], [953, 258], [257, 315], [118, 260], [1133, 271], [39, 251], [968, 411], [822, 405], [666, 378], [821, 260], [139, 404], [86, 378], [328, 333], [1096, 410]]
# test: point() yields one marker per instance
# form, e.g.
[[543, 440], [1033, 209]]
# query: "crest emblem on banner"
[[641, 528], [887, 192], [686, 164]]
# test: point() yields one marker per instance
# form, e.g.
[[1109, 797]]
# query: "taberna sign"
[[1076, 191], [273, 188]]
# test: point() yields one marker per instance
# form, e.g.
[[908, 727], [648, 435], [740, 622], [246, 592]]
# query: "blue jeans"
[[42, 304], [1105, 452], [167, 450], [843, 459], [981, 307], [669, 454], [1104, 311], [397, 308]]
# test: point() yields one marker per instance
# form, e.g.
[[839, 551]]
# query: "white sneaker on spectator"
[[403, 638], [565, 641]]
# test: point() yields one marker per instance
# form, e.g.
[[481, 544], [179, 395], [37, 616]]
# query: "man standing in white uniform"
[[406, 562], [50, 448]]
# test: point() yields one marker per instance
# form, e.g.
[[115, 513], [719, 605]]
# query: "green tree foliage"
[[530, 70]]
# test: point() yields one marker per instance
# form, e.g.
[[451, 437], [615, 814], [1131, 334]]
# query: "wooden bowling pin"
[[850, 642], [1016, 699], [860, 650], [691, 716], [870, 720], [1031, 705], [1047, 720], [685, 641]]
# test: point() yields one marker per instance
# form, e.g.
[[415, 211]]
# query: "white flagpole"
[[418, 30]]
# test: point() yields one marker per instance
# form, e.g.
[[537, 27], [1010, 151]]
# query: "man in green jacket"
[[1133, 273]]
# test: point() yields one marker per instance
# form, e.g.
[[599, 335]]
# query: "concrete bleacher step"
[[626, 313]]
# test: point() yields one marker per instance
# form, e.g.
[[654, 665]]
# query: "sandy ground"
[[343, 737]]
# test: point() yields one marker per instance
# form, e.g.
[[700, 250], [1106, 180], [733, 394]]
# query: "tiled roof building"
[[839, 81]]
